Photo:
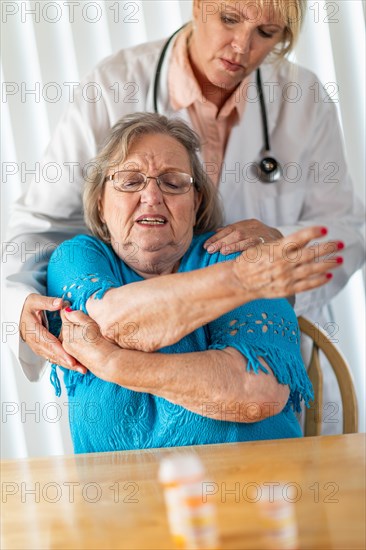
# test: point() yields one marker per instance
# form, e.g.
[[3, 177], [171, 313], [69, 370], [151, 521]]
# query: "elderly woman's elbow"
[[266, 406], [261, 411], [248, 407], [264, 396], [229, 409], [235, 406], [248, 397]]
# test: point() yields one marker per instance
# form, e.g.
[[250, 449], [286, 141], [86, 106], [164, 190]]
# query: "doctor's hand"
[[239, 236], [34, 332], [291, 265]]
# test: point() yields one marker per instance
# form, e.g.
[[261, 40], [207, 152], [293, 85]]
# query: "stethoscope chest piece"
[[269, 169]]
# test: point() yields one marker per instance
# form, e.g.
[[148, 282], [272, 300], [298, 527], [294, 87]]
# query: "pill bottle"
[[277, 517], [192, 521]]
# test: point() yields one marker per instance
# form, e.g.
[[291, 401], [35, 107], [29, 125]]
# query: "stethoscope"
[[268, 169]]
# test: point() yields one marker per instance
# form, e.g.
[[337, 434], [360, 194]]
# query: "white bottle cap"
[[181, 468]]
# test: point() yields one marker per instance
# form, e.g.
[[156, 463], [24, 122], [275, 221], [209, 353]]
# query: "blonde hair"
[[292, 13], [115, 151]]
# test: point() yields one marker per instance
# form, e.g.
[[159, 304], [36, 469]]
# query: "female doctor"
[[272, 148]]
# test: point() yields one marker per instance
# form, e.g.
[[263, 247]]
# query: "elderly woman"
[[209, 78], [229, 371]]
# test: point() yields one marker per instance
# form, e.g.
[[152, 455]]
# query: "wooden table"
[[113, 500]]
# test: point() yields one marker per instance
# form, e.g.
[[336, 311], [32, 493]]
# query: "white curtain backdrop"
[[47, 47]]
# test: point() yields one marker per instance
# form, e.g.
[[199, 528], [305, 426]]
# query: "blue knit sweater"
[[106, 417]]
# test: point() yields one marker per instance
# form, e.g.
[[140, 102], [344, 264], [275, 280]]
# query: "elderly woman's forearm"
[[209, 383], [213, 383], [158, 312]]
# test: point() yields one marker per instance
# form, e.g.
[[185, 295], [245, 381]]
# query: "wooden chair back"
[[313, 415]]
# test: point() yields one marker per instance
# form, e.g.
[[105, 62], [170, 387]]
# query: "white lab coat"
[[305, 138]]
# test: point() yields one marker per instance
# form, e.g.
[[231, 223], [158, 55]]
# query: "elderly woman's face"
[[231, 38], [149, 230]]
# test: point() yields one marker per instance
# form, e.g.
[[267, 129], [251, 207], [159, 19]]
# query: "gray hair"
[[119, 141]]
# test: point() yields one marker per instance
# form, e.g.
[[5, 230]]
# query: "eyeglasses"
[[171, 183]]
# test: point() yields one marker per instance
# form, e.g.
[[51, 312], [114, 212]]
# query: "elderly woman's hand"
[[81, 338], [240, 236], [288, 266]]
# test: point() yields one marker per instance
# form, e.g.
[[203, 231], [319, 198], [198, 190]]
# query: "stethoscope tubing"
[[263, 109], [159, 65]]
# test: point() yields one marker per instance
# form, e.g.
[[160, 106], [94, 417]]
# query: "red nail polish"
[[339, 260], [340, 245], [324, 231], [329, 275], [68, 309]]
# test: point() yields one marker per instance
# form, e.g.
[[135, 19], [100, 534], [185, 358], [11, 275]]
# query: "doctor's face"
[[151, 230], [230, 39]]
